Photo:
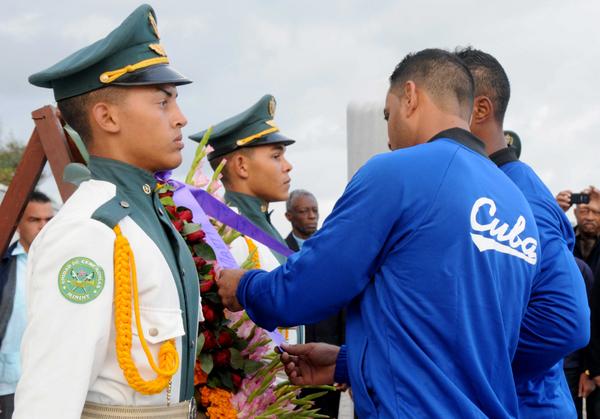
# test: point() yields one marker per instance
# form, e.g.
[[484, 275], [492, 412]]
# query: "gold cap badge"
[[272, 105], [158, 48], [153, 24]]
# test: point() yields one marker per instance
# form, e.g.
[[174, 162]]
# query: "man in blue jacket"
[[557, 320], [432, 249]]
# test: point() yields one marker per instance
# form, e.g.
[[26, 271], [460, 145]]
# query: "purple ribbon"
[[202, 204]]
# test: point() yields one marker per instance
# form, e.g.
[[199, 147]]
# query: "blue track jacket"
[[557, 320], [433, 250]]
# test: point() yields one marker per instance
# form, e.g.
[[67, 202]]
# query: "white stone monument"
[[366, 133]]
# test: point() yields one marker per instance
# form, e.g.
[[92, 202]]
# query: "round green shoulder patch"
[[80, 280]]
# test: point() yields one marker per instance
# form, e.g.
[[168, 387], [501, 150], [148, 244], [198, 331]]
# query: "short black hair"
[[490, 78], [37, 196], [74, 110], [442, 75]]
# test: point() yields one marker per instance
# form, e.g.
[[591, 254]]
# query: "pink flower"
[[199, 179]]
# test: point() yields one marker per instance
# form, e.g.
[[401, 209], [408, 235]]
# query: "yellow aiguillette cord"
[[168, 358]]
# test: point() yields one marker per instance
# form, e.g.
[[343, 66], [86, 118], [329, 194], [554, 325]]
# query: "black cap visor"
[[274, 138], [156, 74]]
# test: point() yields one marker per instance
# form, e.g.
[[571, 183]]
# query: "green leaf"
[[206, 361], [313, 396], [167, 201], [200, 344], [213, 381], [240, 344], [211, 297], [190, 228], [204, 251], [237, 360], [205, 270], [225, 377], [250, 366]]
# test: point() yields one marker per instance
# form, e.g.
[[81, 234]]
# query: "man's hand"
[[228, 282], [564, 200], [586, 385], [310, 364], [593, 193]]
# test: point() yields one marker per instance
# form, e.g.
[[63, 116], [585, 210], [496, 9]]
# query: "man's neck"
[[493, 139], [440, 123], [24, 245], [243, 189], [300, 235]]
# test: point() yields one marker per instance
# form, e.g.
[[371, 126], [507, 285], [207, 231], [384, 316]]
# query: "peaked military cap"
[[131, 55], [251, 128], [513, 141]]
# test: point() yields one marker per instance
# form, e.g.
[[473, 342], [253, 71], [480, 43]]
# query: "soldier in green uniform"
[[112, 289], [256, 173]]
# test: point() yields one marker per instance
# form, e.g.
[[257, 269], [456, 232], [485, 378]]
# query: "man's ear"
[[483, 109], [239, 166], [105, 117], [411, 98], [288, 216]]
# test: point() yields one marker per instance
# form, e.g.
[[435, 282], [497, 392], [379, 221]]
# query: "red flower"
[[185, 215], [225, 339], [178, 224], [209, 340], [208, 313], [165, 194], [195, 237], [222, 358], [171, 209], [200, 262], [236, 379], [205, 286]]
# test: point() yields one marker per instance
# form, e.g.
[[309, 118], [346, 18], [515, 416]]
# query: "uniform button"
[[124, 204], [191, 344], [182, 272], [161, 212], [147, 189], [153, 331]]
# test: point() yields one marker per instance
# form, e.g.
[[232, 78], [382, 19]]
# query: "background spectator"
[[576, 365], [302, 211], [13, 309], [587, 230], [587, 248]]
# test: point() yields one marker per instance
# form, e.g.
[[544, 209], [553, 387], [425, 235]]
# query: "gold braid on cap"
[[110, 76]]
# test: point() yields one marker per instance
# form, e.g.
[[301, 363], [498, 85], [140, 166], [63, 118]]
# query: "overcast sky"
[[317, 56]]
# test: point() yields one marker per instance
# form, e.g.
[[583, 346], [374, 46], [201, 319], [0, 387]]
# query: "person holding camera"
[[587, 230], [587, 248]]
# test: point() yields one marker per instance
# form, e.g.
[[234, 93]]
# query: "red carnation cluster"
[[219, 342]]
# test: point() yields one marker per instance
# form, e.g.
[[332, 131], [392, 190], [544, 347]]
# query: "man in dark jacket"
[[587, 230], [302, 211], [13, 312]]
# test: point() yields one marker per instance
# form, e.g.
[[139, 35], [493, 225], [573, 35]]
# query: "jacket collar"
[[504, 156], [463, 137], [246, 204], [10, 250], [130, 179]]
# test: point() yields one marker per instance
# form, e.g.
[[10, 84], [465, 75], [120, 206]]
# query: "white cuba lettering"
[[503, 238]]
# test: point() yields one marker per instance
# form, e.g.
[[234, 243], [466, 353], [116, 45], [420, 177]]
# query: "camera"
[[580, 198]]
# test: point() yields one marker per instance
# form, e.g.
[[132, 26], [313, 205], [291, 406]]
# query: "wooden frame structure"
[[48, 143]]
